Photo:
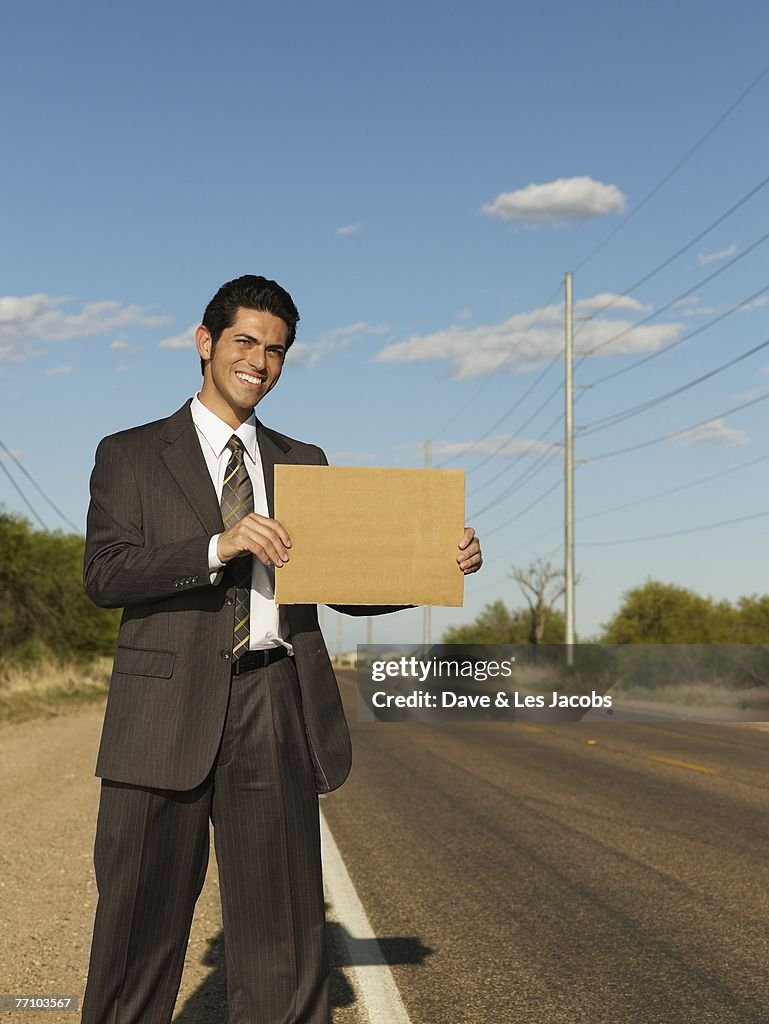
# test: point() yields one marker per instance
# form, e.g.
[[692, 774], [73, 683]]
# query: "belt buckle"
[[250, 660]]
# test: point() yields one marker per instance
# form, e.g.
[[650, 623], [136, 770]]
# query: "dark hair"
[[249, 292]]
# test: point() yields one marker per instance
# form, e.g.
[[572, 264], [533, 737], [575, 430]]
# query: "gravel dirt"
[[47, 887]]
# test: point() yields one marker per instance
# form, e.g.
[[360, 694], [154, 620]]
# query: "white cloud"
[[557, 202], [16, 352], [123, 346], [303, 353], [184, 340], [34, 318], [715, 431], [504, 445], [604, 299], [464, 314], [757, 303], [58, 371], [704, 258], [747, 396], [349, 229], [694, 308], [525, 341], [702, 311]]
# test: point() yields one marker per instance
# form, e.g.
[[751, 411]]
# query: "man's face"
[[245, 363]]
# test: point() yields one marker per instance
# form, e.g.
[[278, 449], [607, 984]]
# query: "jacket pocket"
[[142, 661]]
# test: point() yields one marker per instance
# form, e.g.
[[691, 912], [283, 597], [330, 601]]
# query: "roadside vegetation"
[[55, 644], [653, 613], [667, 644]]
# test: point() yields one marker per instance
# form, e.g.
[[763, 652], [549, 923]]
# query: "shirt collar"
[[217, 433]]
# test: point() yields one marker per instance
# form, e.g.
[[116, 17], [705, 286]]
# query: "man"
[[221, 704]]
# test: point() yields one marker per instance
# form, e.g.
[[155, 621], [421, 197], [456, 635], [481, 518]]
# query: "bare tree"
[[541, 584]]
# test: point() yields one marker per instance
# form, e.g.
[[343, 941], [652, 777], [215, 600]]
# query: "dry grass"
[[48, 688], [703, 695]]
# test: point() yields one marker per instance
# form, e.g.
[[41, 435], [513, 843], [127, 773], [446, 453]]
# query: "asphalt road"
[[563, 873], [512, 873]]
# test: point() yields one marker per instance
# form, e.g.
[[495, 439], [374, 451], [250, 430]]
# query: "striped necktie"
[[237, 501]]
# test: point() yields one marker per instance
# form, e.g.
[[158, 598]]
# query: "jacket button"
[[229, 601], [226, 655]]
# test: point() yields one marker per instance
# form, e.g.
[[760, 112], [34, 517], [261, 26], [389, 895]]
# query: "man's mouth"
[[248, 378]]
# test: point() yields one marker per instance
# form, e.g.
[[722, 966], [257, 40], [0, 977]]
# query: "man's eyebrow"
[[252, 337]]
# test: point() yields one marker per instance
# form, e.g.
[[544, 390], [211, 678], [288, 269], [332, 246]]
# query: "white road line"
[[381, 999]]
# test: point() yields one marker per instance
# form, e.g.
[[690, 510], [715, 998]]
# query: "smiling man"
[[222, 707]]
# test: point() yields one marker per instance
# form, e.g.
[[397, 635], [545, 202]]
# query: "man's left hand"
[[469, 557]]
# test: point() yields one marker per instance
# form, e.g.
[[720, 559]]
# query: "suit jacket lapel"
[[273, 449], [183, 456]]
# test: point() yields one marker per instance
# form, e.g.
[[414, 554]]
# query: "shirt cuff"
[[215, 565]]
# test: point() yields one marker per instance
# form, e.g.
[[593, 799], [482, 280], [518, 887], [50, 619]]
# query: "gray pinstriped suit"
[[183, 740]]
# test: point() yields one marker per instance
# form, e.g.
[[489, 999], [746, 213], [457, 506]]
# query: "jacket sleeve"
[[121, 569]]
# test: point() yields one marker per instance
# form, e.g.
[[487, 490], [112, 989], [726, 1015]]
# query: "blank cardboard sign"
[[370, 536]]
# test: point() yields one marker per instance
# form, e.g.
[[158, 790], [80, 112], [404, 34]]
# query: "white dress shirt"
[[267, 630]]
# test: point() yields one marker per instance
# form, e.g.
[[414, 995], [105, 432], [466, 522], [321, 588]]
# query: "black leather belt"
[[258, 659]]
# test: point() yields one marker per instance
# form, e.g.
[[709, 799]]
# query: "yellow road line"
[[685, 764], [530, 727]]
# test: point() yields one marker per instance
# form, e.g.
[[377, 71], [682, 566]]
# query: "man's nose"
[[256, 357]]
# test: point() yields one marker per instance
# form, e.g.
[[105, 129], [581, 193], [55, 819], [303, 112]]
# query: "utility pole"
[[426, 623], [569, 470]]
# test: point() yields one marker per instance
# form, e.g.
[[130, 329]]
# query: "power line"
[[506, 441], [610, 421], [22, 495], [501, 420], [675, 533], [654, 190], [678, 298], [678, 433], [529, 507], [626, 331], [680, 341], [542, 462], [39, 489], [676, 167], [490, 377], [652, 497], [619, 417], [684, 248]]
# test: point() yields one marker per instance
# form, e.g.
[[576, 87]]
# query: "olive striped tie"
[[237, 501]]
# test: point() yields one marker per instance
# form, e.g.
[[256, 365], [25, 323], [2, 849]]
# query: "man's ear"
[[203, 342]]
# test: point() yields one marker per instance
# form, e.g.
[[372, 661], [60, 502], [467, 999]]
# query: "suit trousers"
[[151, 854]]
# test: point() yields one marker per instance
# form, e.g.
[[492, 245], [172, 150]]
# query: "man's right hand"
[[265, 538]]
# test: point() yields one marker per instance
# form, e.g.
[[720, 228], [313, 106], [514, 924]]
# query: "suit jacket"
[[153, 511]]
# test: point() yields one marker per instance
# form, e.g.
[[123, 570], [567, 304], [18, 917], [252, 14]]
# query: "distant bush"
[[652, 613], [44, 611], [663, 613], [498, 624]]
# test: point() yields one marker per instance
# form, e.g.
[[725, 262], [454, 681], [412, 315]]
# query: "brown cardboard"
[[370, 536]]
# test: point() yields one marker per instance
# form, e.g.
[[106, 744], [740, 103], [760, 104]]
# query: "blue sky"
[[419, 177]]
